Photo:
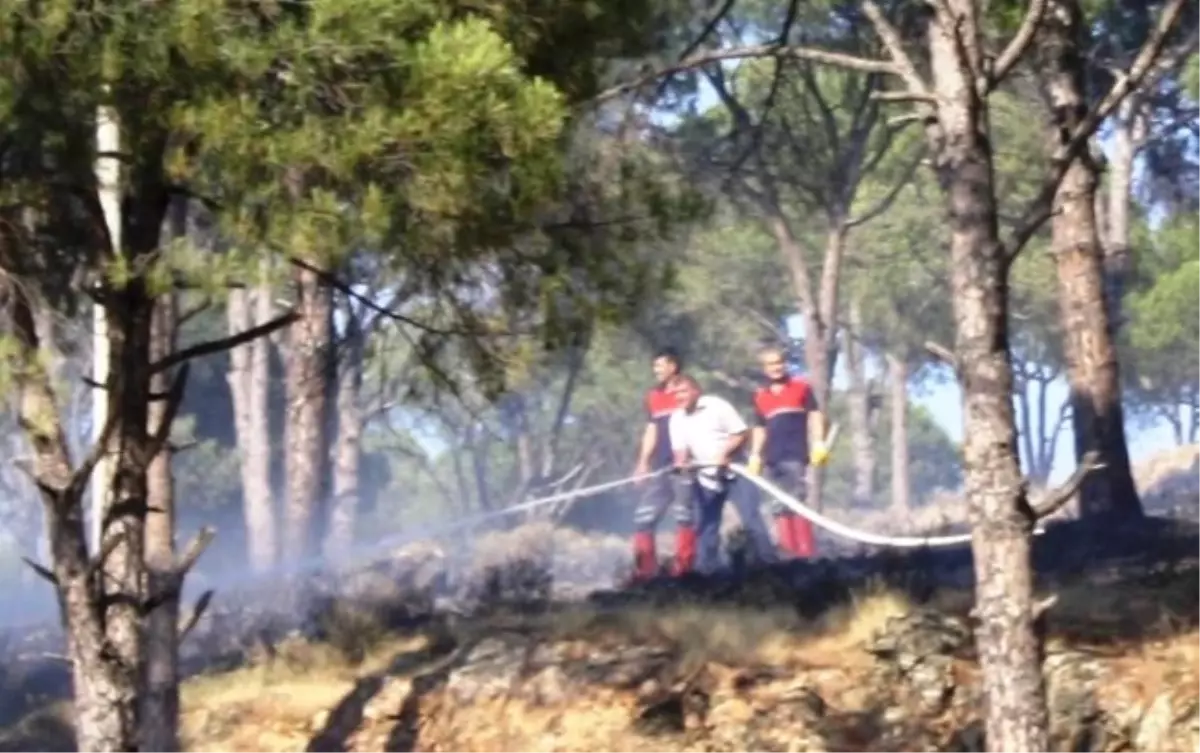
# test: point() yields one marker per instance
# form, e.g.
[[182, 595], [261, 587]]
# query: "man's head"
[[774, 363], [686, 391], [666, 365]]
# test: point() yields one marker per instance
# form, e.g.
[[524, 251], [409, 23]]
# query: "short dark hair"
[[671, 355]]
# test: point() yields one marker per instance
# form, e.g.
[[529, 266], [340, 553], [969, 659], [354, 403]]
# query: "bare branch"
[[1142, 66], [197, 612], [903, 95], [1018, 44], [886, 202], [901, 63], [83, 474], [193, 551], [701, 59], [44, 572], [158, 439], [224, 343], [942, 353], [191, 313], [341, 286], [1050, 503]]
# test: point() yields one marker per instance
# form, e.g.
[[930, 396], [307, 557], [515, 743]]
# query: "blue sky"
[[944, 402]]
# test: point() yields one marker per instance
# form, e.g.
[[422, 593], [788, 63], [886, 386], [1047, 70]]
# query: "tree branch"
[[1050, 503], [902, 64], [174, 399], [224, 343], [42, 571], [1142, 66], [83, 474], [943, 354], [903, 95], [193, 551], [701, 59], [197, 612], [890, 198], [1017, 45]]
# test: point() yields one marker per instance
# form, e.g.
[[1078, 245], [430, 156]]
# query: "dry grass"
[[278, 701]]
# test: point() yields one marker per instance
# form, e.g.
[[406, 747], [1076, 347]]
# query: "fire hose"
[[765, 485]]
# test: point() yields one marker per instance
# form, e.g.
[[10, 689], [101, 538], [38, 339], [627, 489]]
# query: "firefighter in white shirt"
[[706, 433]]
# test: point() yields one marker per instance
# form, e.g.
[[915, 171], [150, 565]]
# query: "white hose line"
[[845, 531], [435, 532], [842, 530]]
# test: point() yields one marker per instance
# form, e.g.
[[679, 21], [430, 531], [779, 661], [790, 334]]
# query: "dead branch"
[[341, 286], [942, 353], [42, 571], [172, 580], [1056, 498], [224, 343], [886, 202], [702, 59], [83, 474], [1017, 45], [158, 438], [197, 612], [193, 551], [191, 313]]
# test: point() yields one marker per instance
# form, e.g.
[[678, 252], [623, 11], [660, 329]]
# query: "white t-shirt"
[[704, 433]]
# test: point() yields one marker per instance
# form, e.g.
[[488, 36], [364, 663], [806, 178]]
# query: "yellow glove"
[[819, 455], [754, 465]]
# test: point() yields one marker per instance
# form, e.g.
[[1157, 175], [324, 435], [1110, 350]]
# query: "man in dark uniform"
[[660, 492], [788, 436]]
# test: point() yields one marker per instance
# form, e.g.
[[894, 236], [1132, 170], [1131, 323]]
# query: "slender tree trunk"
[[159, 721], [249, 383], [306, 377], [1091, 356], [897, 377], [1129, 133], [104, 698], [818, 312], [1009, 651], [347, 450], [859, 410]]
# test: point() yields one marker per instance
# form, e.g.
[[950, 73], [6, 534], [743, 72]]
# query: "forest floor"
[[874, 653]]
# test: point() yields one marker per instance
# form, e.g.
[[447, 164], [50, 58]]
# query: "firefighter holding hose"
[[665, 490], [787, 437]]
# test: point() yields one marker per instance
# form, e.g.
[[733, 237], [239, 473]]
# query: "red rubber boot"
[[802, 536], [785, 532], [645, 557], [685, 550]]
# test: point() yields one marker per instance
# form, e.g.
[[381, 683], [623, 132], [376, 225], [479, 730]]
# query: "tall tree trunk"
[[159, 720], [306, 377], [249, 384], [104, 697], [347, 450], [897, 377], [1092, 369], [859, 410], [1009, 651], [818, 312]]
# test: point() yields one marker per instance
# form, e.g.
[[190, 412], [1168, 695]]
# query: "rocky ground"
[[514, 648], [796, 658]]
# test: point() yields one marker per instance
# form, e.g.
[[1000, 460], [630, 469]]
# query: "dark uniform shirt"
[[660, 404], [784, 415]]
